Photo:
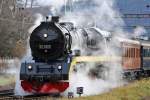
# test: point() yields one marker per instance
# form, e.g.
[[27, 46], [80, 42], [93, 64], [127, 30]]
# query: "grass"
[[134, 91], [6, 80]]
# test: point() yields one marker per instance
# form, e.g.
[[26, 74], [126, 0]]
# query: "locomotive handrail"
[[96, 58]]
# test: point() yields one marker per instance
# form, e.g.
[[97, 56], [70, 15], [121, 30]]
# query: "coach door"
[[131, 56]]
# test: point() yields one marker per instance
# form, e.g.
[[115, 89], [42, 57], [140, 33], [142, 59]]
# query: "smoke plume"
[[101, 14]]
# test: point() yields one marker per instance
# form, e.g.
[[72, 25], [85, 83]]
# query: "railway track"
[[7, 92], [9, 95]]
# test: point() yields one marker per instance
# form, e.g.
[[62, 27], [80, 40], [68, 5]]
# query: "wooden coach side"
[[131, 58]]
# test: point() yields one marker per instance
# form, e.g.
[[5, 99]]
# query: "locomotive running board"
[[95, 59]]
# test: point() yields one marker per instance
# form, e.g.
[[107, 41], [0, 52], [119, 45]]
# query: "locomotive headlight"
[[59, 67], [30, 67], [45, 35]]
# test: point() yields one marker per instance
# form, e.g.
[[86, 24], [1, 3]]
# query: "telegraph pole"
[[26, 3], [23, 18], [65, 2], [70, 5], [1, 6], [32, 3]]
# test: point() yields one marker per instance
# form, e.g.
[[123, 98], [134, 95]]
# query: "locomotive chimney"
[[47, 18], [55, 19]]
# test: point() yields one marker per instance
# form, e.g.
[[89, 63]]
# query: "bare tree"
[[14, 23]]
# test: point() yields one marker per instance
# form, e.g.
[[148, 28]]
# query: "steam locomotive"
[[50, 45]]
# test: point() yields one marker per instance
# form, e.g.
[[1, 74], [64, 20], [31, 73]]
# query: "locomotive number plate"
[[45, 46]]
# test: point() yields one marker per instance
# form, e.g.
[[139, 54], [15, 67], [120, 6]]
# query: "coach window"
[[127, 52], [137, 53], [145, 52], [130, 52], [134, 52], [148, 52], [124, 52]]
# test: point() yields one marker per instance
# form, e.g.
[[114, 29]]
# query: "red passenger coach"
[[131, 59]]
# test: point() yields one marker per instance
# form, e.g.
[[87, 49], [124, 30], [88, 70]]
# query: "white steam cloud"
[[102, 15], [55, 3], [138, 31]]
